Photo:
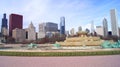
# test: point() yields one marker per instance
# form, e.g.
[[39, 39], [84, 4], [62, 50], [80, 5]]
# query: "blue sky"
[[77, 12]]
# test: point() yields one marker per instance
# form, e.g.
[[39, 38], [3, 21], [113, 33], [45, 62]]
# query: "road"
[[79, 61]]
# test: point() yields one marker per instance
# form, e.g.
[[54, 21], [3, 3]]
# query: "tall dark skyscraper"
[[62, 25], [4, 21], [15, 21], [4, 26]]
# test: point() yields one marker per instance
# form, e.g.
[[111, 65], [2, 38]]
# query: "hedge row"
[[6, 53]]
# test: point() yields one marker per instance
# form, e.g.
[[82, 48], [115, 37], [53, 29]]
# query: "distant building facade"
[[47, 28], [15, 21], [105, 27], [4, 26], [42, 31], [92, 27], [4, 32], [30, 32], [41, 35], [79, 29], [72, 32], [114, 22], [18, 34], [67, 33], [99, 30], [62, 25]]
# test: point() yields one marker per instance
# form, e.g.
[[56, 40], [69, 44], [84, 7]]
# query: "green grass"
[[95, 53]]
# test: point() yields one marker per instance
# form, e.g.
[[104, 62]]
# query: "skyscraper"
[[62, 25], [92, 27], [114, 23], [15, 21], [4, 26], [4, 21], [105, 27]]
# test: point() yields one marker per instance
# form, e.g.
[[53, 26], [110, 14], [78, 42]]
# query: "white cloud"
[[34, 9], [76, 12]]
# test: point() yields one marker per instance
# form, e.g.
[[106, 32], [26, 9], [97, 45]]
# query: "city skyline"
[[77, 13]]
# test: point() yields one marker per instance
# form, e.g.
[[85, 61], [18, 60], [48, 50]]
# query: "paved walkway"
[[83, 61]]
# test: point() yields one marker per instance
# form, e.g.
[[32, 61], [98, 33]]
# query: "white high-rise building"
[[105, 27], [92, 27], [114, 23]]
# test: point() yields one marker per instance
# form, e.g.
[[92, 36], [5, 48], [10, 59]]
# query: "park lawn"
[[47, 54]]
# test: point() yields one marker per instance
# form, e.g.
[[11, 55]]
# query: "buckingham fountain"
[[87, 42], [81, 42]]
